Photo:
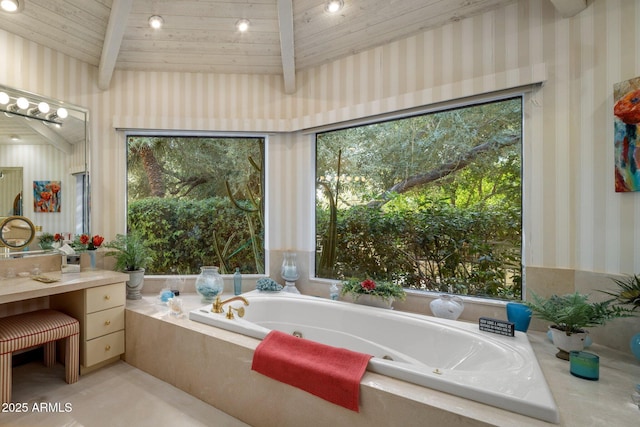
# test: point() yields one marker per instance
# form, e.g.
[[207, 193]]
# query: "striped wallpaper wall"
[[573, 218]]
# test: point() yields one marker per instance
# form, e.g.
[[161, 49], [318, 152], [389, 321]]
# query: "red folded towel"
[[331, 373]]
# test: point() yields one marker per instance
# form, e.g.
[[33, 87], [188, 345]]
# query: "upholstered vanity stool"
[[23, 331]]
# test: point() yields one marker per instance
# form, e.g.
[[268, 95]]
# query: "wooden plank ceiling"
[[200, 35]]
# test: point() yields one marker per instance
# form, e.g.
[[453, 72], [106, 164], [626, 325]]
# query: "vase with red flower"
[[91, 243]]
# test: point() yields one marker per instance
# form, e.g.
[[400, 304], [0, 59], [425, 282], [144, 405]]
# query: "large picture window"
[[431, 201], [197, 201]]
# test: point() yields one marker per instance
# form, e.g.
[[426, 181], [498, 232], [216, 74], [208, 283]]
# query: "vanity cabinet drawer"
[[103, 348], [104, 322], [104, 297], [101, 313]]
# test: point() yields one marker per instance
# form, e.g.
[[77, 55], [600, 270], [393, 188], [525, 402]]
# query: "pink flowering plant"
[[384, 290]]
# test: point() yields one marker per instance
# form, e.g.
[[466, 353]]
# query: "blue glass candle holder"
[[584, 365], [520, 315]]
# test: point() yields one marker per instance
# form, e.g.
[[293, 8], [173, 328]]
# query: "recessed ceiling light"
[[334, 6], [15, 138], [11, 6], [156, 22], [243, 25]]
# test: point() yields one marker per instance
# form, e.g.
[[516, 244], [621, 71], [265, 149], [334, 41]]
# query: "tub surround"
[[454, 357], [215, 366]]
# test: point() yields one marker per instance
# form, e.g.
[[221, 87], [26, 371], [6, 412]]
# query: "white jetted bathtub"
[[450, 356]]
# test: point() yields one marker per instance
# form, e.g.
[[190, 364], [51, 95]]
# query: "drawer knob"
[[107, 322], [107, 297], [107, 347]]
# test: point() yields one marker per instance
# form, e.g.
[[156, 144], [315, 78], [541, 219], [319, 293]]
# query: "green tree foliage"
[[190, 167], [198, 201], [432, 201], [187, 234]]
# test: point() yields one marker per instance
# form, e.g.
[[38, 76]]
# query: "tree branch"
[[444, 169]]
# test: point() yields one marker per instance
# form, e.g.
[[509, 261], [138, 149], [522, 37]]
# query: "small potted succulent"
[[369, 292], [570, 315]]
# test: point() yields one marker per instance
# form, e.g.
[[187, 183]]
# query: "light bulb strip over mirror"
[[43, 153], [38, 110]]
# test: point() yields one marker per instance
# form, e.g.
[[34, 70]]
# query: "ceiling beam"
[[55, 139], [569, 8], [287, 53], [113, 39]]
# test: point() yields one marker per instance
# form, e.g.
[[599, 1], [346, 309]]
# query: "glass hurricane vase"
[[209, 284], [289, 269]]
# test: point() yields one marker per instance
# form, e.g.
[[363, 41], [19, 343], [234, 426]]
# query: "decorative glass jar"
[[209, 283], [289, 272], [447, 307], [289, 269]]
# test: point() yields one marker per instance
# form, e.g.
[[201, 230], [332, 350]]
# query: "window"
[[82, 207], [197, 201], [431, 201]]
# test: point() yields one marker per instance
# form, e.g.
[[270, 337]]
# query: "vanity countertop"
[[22, 288]]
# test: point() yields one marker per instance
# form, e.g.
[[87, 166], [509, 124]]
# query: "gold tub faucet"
[[217, 304]]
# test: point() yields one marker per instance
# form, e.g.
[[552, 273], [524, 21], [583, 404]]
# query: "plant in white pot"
[[132, 255], [570, 315], [369, 292]]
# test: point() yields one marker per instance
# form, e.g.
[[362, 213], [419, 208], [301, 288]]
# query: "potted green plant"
[[628, 293], [132, 255], [369, 292], [570, 315], [46, 241]]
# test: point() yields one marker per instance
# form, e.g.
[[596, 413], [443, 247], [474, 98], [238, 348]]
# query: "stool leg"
[[71, 358], [5, 378], [49, 354]]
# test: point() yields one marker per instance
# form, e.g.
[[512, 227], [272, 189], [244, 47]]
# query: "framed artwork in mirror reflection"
[[47, 196]]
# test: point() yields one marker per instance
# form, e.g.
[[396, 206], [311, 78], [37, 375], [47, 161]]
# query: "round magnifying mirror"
[[16, 232]]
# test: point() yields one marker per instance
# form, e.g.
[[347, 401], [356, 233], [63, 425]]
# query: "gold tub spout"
[[217, 304]]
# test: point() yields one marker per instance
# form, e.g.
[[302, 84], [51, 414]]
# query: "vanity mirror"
[[16, 232], [43, 162]]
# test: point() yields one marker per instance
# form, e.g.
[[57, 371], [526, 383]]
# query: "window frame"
[[204, 134], [526, 99]]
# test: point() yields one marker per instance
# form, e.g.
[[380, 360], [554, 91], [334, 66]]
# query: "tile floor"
[[117, 395]]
